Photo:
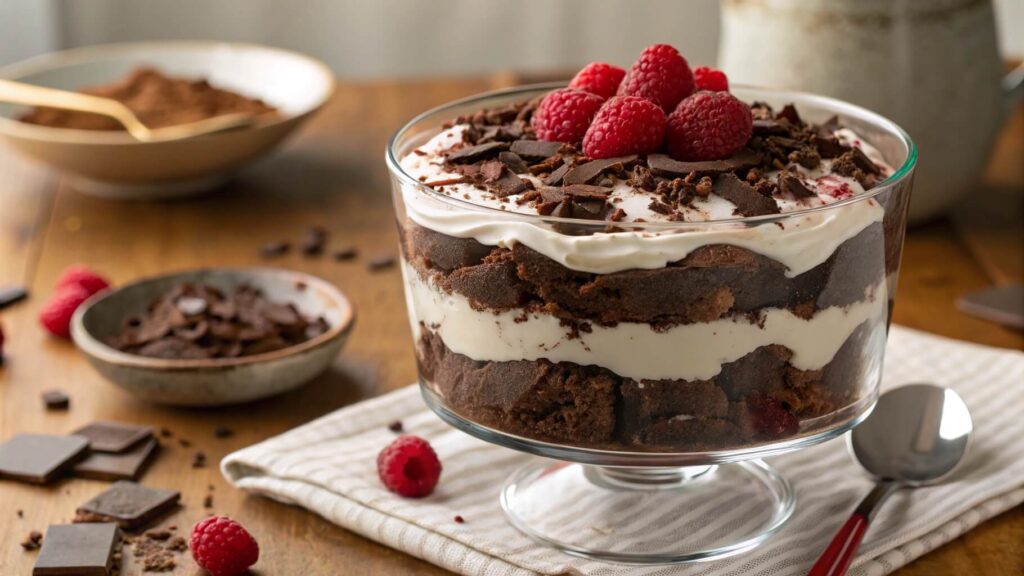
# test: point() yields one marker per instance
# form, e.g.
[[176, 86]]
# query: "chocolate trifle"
[[648, 261]]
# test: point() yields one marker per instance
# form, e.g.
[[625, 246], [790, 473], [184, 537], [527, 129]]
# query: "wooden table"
[[333, 175]]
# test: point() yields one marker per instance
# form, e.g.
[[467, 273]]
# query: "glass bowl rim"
[[832, 104]]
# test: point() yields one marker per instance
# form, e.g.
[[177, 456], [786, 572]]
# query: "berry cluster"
[[659, 104], [75, 285]]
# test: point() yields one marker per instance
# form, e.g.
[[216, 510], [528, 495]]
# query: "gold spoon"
[[31, 95]]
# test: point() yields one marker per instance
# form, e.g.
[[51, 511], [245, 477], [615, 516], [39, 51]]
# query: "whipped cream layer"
[[799, 242], [635, 350]]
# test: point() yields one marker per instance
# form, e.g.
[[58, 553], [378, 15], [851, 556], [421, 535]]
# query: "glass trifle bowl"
[[652, 361]]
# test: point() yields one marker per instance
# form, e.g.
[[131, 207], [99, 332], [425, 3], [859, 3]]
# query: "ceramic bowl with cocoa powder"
[[111, 163]]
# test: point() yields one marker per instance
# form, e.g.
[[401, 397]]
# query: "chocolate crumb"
[[222, 432], [396, 426], [459, 519], [33, 540], [380, 262], [158, 534], [56, 400], [177, 544], [347, 253], [21, 513], [313, 241], [199, 460], [208, 501], [166, 432], [275, 249], [184, 443]]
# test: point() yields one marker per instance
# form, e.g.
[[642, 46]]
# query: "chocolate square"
[[131, 505], [125, 466], [114, 436], [39, 458], [77, 549]]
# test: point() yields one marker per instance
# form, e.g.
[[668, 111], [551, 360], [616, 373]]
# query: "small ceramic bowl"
[[214, 381], [113, 164]]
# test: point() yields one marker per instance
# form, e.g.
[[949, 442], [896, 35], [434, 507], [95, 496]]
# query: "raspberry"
[[769, 417], [564, 115], [625, 125], [661, 75], [222, 546], [708, 126], [57, 312], [710, 79], [598, 78], [81, 275], [409, 467]]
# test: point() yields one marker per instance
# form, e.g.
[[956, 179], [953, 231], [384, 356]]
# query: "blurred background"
[[378, 38]]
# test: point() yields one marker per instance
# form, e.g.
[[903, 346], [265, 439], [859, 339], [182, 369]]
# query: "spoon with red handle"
[[916, 435]]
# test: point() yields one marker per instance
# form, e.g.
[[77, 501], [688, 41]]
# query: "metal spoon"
[[916, 435], [32, 95]]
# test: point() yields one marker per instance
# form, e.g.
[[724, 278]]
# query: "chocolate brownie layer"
[[759, 398], [712, 282]]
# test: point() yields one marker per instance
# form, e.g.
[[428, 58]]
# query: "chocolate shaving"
[[861, 160], [766, 127], [662, 165], [791, 184], [513, 162], [748, 202], [478, 152], [588, 172], [555, 178], [535, 149]]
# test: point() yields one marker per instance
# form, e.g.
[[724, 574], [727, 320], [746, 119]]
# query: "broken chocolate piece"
[[10, 295], [125, 466], [555, 178], [56, 400], [380, 262], [662, 165], [131, 505], [274, 249], [861, 160], [588, 172], [513, 162], [77, 549], [535, 149], [40, 458], [794, 185], [313, 241], [347, 253], [478, 152], [113, 436], [748, 202]]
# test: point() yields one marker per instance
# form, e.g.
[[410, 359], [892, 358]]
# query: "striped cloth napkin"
[[329, 467]]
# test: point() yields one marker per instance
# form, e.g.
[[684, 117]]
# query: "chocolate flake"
[[56, 400], [478, 152], [513, 162], [535, 149], [662, 165], [748, 202], [555, 178], [791, 184], [588, 172]]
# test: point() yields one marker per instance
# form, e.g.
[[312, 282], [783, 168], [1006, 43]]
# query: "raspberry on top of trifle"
[[672, 317]]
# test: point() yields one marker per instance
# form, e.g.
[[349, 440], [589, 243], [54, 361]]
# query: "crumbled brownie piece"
[[396, 426]]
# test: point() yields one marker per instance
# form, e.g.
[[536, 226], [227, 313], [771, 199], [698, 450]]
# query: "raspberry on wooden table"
[[660, 75], [598, 78], [56, 314], [82, 275], [710, 79], [564, 115], [409, 467], [708, 126], [625, 125], [223, 547]]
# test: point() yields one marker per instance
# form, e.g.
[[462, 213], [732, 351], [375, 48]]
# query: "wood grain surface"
[[333, 175]]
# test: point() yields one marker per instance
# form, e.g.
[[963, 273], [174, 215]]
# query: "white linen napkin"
[[329, 467]]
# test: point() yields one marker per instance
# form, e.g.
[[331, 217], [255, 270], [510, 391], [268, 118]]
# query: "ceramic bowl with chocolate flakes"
[[214, 336]]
